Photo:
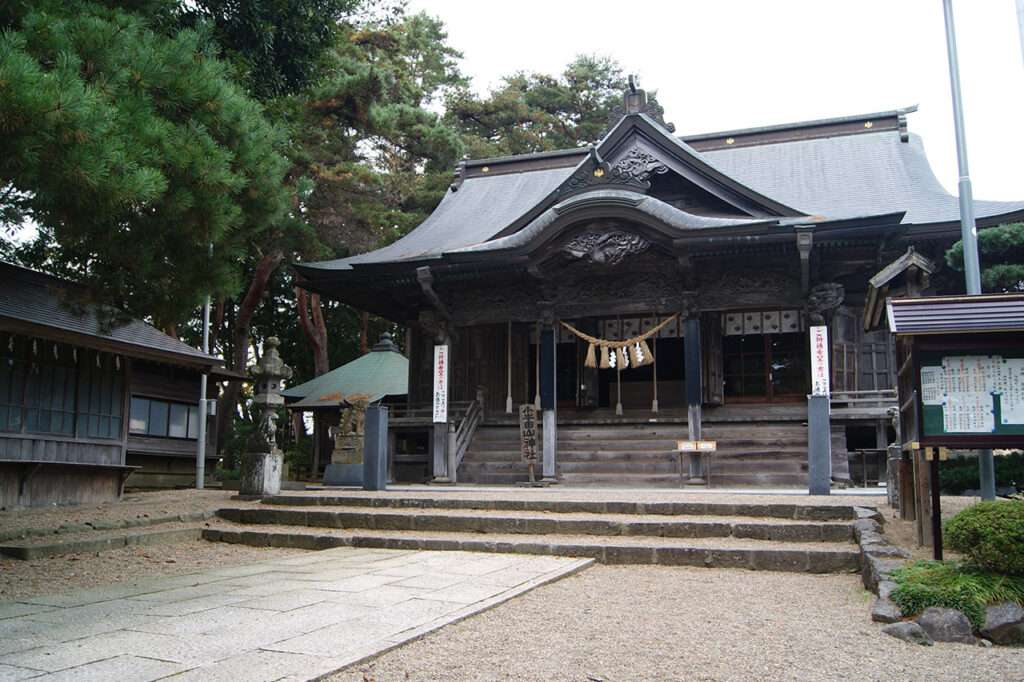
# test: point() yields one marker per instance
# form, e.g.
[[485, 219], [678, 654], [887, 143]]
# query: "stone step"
[[728, 552], [810, 511], [541, 523]]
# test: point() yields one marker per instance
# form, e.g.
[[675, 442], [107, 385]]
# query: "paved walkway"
[[295, 618]]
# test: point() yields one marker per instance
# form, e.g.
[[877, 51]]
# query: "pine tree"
[[133, 152]]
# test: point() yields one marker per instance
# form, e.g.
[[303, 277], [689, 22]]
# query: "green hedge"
[[990, 534], [961, 473]]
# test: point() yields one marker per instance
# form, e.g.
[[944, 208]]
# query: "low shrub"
[[961, 473], [968, 589], [990, 534]]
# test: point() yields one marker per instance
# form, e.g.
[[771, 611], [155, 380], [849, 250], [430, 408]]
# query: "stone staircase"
[[817, 538], [644, 454]]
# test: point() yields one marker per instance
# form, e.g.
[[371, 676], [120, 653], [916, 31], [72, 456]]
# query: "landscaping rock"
[[865, 525], [874, 570], [885, 611], [885, 588], [868, 513], [946, 625], [1004, 623], [885, 550], [909, 632]]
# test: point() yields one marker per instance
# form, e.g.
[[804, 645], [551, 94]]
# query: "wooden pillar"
[[548, 404], [694, 395]]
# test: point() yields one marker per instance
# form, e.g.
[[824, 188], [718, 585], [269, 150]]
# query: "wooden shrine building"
[[85, 407], [723, 248]]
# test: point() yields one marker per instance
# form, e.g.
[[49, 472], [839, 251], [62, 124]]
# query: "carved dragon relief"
[[604, 248]]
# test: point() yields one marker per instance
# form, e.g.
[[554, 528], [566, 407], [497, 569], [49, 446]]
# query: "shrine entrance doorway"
[[764, 356]]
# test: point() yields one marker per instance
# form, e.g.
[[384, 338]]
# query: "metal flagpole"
[[201, 452], [968, 228]]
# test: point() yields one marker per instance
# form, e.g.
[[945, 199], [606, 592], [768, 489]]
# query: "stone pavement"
[[295, 618]]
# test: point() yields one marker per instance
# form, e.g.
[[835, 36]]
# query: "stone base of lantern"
[[260, 474]]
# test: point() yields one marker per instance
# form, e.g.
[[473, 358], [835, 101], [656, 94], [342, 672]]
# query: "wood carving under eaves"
[[656, 290], [737, 288], [604, 248], [823, 300], [434, 324]]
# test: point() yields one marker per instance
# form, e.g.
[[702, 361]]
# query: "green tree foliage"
[[133, 151], [537, 112], [1001, 252], [275, 46], [379, 158]]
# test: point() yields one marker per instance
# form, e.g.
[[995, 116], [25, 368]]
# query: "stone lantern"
[[261, 469]]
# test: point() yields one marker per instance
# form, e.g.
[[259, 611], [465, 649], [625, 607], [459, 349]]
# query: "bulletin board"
[[965, 396]]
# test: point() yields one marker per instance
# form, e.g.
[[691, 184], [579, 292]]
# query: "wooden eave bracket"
[[804, 245]]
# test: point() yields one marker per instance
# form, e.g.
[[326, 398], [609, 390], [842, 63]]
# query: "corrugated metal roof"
[[381, 372], [34, 298], [953, 314]]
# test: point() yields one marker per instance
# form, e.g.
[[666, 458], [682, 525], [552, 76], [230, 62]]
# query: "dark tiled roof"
[[857, 172], [851, 175], [30, 302]]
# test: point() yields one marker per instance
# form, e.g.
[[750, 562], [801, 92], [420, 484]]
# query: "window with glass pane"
[[139, 416], [99, 395], [158, 410], [153, 417]]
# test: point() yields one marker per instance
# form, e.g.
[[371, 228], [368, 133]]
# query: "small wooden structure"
[[380, 376], [83, 407], [961, 385]]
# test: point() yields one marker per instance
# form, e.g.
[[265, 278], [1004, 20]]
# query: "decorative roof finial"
[[636, 101]]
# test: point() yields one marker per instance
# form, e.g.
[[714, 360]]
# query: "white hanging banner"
[[819, 361], [440, 384]]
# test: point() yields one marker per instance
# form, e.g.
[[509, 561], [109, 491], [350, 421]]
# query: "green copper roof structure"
[[381, 372]]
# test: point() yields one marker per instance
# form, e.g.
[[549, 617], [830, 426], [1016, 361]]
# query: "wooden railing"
[[460, 437], [863, 403]]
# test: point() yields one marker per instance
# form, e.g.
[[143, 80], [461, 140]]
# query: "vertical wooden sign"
[[819, 361], [528, 432], [440, 384]]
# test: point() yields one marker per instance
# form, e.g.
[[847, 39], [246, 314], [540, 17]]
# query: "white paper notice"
[[968, 412], [1012, 399], [930, 393]]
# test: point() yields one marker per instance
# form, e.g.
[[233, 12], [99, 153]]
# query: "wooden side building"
[[740, 240], [84, 408]]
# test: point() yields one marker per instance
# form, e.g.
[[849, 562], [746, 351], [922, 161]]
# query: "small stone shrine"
[[346, 467], [261, 469]]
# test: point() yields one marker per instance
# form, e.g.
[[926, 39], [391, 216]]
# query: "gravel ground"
[[608, 623], [665, 623]]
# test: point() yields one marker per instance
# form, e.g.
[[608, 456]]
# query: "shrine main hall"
[[653, 286]]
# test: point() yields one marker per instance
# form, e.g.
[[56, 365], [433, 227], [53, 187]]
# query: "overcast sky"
[[725, 64]]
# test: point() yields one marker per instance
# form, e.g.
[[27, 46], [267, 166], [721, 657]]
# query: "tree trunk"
[[227, 405], [311, 319], [362, 333]]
